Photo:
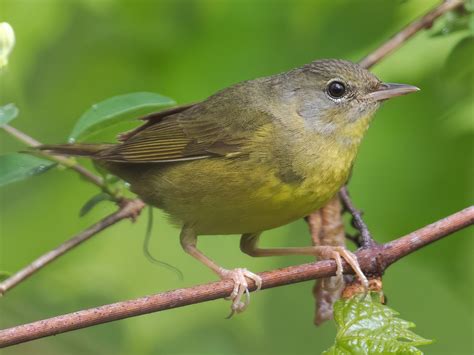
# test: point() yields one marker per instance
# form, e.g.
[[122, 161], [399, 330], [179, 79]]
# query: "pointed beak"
[[386, 91]]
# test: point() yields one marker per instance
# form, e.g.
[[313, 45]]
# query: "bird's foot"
[[240, 287], [339, 253]]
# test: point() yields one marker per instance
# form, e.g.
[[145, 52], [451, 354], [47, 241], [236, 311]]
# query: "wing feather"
[[219, 126]]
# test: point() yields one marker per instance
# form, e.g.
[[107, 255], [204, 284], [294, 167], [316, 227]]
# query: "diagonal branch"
[[397, 40], [404, 35], [371, 260], [357, 221], [128, 209], [369, 61], [426, 21]]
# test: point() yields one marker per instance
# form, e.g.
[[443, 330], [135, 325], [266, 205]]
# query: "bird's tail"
[[81, 149]]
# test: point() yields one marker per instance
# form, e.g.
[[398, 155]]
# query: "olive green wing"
[[198, 131], [152, 119]]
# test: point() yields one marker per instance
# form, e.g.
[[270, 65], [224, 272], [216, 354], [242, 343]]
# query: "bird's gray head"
[[332, 95]]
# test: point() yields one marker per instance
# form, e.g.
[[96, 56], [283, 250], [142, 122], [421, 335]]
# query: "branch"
[[128, 209], [369, 61], [366, 239], [401, 37], [67, 162], [396, 41], [371, 261], [376, 56]]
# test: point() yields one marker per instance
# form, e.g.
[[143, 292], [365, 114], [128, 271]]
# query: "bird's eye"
[[336, 89]]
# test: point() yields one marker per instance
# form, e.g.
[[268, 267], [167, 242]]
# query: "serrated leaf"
[[8, 113], [92, 202], [17, 166], [365, 326], [117, 109]]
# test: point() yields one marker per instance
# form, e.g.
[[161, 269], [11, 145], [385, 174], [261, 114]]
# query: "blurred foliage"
[[415, 166], [365, 326], [7, 113], [458, 20]]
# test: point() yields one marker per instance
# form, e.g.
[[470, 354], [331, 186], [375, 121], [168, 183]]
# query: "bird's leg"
[[248, 244], [189, 241]]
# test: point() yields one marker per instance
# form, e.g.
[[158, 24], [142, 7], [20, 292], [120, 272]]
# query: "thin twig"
[[401, 37], [22, 137], [369, 61], [67, 162], [366, 240], [128, 209], [370, 260], [324, 298]]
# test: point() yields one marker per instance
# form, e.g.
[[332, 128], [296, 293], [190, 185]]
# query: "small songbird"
[[252, 157]]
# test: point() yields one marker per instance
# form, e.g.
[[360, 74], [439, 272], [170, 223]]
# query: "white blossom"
[[7, 41]]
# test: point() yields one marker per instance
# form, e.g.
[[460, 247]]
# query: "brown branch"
[[128, 209], [371, 260], [327, 228], [365, 239], [401, 37], [317, 270], [369, 61]]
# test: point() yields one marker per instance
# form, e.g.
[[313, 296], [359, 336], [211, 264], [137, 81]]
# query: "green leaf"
[[365, 326], [8, 113], [117, 109], [17, 166], [93, 201]]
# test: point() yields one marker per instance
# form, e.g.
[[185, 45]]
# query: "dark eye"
[[336, 89]]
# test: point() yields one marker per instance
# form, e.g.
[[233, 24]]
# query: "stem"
[[369, 61], [128, 209], [366, 239], [390, 251], [370, 259], [66, 162], [404, 35]]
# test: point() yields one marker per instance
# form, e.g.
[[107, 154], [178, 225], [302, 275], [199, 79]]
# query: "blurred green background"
[[415, 166]]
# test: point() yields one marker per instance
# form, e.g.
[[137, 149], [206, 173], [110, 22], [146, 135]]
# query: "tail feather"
[[81, 149]]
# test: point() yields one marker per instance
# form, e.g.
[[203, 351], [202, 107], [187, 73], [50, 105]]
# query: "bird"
[[252, 157]]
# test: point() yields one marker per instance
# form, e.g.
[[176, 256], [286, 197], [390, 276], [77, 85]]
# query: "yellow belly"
[[237, 197], [283, 173]]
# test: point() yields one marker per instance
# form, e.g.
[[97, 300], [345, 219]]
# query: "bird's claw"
[[339, 253], [240, 288]]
